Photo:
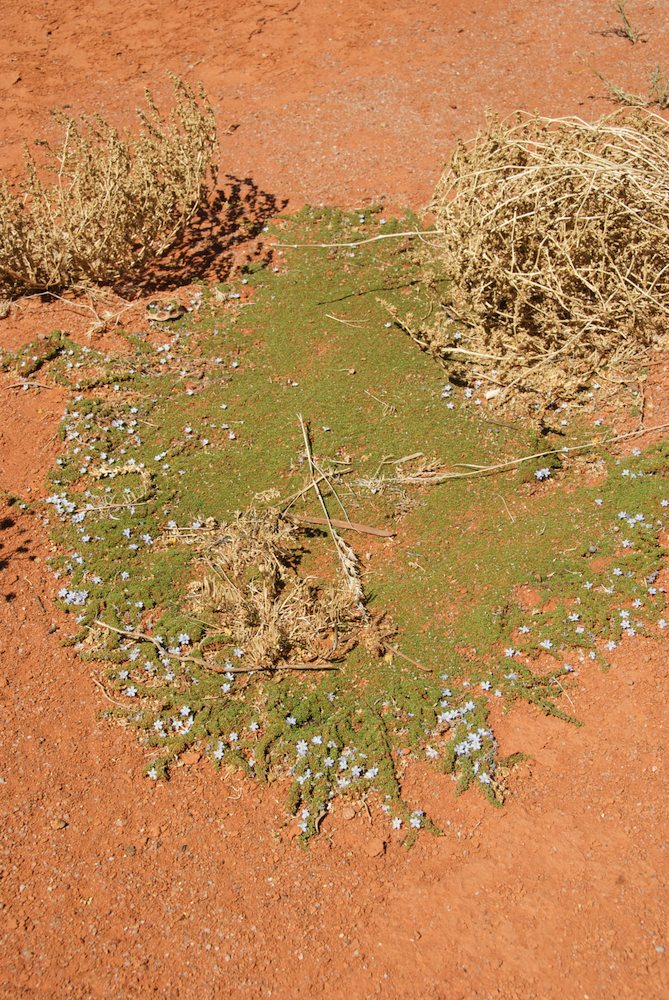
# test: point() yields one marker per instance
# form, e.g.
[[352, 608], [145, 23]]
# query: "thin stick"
[[346, 322], [363, 529], [29, 385], [565, 693], [347, 557], [512, 518], [332, 487], [98, 683], [397, 652], [400, 461], [440, 477], [388, 408], [314, 484], [642, 407], [289, 501], [358, 243]]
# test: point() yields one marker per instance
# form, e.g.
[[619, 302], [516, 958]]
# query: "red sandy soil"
[[111, 886]]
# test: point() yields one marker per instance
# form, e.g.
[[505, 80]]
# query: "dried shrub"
[[104, 204], [555, 234], [252, 591]]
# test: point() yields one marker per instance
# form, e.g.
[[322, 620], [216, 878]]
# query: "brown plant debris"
[[251, 591], [555, 233]]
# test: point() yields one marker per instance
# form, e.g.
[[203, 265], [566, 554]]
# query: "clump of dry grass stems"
[[103, 204], [555, 234], [657, 93], [252, 593]]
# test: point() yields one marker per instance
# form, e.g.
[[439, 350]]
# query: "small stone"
[[375, 848], [58, 824], [348, 812], [191, 757]]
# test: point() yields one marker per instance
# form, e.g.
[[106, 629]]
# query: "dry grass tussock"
[[103, 204], [556, 236], [251, 593]]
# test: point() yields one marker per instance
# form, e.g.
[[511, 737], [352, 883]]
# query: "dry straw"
[[251, 591], [555, 234], [103, 204]]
